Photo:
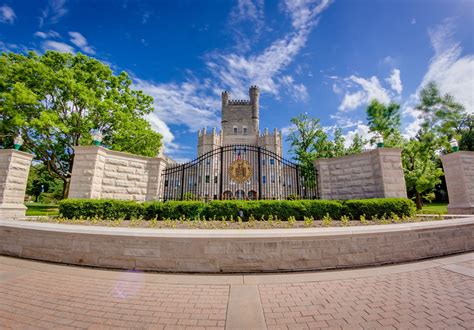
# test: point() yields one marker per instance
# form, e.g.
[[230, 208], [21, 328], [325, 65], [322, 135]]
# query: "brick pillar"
[[87, 172], [374, 174], [459, 173], [14, 169]]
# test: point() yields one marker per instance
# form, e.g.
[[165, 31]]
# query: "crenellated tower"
[[240, 125]]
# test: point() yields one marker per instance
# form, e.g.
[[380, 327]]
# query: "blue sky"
[[327, 58]]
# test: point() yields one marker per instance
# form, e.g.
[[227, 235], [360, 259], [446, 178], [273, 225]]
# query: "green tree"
[[357, 145], [339, 140], [420, 165], [55, 100], [441, 113], [40, 183], [385, 119], [466, 133]]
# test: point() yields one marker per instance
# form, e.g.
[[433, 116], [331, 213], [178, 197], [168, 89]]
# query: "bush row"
[[354, 209]]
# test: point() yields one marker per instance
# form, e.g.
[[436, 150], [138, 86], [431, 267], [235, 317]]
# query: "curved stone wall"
[[215, 251]]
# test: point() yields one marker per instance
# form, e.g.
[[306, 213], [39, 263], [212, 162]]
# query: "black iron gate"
[[238, 172]]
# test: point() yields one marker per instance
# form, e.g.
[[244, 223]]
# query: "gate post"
[[221, 173], [14, 169], [459, 173], [259, 173]]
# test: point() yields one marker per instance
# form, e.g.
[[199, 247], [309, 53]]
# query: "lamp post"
[[97, 138], [18, 142], [379, 140], [454, 145]]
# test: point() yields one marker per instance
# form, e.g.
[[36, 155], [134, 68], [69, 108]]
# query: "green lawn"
[[36, 209], [435, 208]]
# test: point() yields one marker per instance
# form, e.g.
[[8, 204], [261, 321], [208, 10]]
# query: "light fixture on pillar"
[[97, 137], [454, 145], [17, 142], [379, 140]]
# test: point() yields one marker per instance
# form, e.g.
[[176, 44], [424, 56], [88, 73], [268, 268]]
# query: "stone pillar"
[[102, 173], [374, 174], [87, 172], [459, 173], [14, 169]]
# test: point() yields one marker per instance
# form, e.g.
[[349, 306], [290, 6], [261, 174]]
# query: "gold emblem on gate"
[[240, 170]]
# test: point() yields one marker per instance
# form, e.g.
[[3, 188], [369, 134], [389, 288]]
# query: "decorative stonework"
[[459, 173], [102, 173], [240, 171], [374, 174], [14, 169]]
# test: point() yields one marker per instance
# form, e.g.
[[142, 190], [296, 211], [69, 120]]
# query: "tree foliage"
[[55, 100], [385, 119]]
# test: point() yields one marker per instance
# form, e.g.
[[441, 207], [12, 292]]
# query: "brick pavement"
[[42, 295]]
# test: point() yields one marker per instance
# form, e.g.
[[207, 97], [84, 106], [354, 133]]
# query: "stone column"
[[374, 174], [14, 169], [87, 172], [459, 173]]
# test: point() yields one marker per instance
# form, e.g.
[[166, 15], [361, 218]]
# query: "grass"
[[434, 208], [38, 209]]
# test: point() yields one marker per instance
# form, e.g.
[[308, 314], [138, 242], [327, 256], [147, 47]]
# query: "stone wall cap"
[[96, 149], [236, 233], [453, 155], [4, 152], [361, 154]]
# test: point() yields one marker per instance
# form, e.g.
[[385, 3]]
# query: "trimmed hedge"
[[283, 209], [377, 208]]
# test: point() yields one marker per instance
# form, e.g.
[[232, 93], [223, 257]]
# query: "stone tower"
[[240, 125]]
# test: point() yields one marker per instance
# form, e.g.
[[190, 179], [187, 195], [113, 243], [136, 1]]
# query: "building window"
[[264, 179], [166, 183], [263, 162], [235, 130], [272, 161], [244, 130], [207, 178], [215, 179]]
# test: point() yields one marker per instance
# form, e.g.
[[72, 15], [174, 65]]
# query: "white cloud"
[[236, 72], [58, 46], [47, 35], [367, 90], [352, 101], [7, 14], [182, 104], [297, 91], [248, 10], [452, 72], [363, 131], [80, 41], [395, 81], [304, 12], [53, 12]]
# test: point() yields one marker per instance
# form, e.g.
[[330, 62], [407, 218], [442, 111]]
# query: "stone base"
[[12, 211], [460, 209]]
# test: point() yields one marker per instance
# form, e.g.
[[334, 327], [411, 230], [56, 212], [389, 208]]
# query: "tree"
[[441, 113], [55, 100], [420, 167], [339, 148], [466, 132], [357, 145], [385, 119], [40, 182]]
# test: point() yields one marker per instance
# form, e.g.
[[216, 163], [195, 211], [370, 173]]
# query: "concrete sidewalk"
[[436, 293]]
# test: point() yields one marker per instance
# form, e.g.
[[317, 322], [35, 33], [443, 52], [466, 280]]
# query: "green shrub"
[[101, 208], [377, 208], [278, 209]]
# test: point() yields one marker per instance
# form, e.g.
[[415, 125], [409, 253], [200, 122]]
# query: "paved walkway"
[[437, 293]]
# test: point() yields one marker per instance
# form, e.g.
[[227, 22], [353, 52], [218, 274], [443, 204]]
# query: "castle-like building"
[[237, 162], [240, 126]]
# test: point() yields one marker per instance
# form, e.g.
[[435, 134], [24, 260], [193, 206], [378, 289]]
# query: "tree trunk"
[[67, 184], [418, 201]]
